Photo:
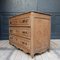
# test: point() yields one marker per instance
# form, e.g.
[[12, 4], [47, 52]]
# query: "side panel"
[[41, 35]]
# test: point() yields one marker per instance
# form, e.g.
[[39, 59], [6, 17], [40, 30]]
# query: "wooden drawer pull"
[[24, 21], [14, 22], [11, 30], [16, 39], [24, 32], [24, 43]]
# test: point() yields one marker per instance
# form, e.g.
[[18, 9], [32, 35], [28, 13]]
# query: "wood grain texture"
[[20, 20], [31, 32]]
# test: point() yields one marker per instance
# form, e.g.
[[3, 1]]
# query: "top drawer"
[[20, 21]]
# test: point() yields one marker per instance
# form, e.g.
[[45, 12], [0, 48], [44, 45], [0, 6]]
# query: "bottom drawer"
[[24, 42]]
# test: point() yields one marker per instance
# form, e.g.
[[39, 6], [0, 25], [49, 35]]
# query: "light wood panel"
[[31, 32]]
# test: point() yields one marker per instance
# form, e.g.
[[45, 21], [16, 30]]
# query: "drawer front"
[[25, 21], [24, 42], [13, 22], [23, 32], [20, 42]]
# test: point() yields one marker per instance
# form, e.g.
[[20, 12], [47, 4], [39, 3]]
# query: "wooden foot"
[[32, 55], [48, 50]]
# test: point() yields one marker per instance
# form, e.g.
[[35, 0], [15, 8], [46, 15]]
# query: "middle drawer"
[[21, 31]]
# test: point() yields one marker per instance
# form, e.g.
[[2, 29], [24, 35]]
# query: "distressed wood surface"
[[33, 26]]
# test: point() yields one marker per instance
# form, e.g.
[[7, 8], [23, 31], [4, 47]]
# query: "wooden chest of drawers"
[[30, 32]]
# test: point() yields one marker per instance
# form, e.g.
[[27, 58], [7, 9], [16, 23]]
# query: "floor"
[[8, 52]]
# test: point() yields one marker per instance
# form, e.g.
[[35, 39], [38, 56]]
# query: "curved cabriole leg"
[[48, 50], [32, 55]]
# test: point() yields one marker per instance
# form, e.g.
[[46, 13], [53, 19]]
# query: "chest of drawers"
[[30, 32]]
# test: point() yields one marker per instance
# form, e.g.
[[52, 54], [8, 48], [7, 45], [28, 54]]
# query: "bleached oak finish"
[[30, 32]]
